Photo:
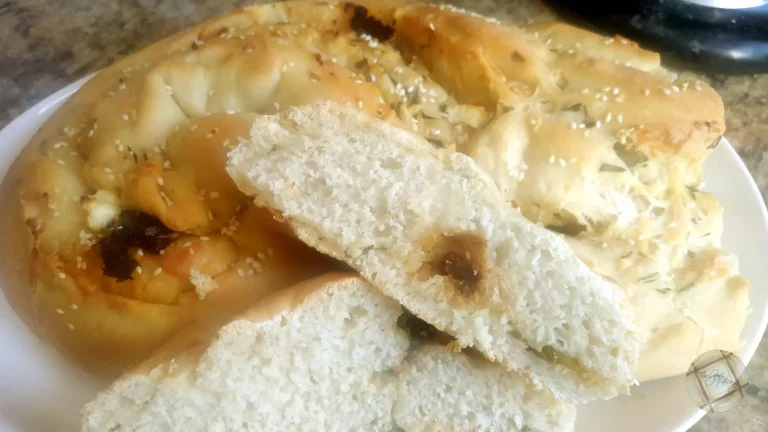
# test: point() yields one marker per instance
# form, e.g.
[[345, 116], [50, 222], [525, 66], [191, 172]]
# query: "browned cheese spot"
[[362, 23]]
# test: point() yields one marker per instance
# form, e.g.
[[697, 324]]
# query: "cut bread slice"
[[440, 390], [316, 357], [431, 229], [326, 355]]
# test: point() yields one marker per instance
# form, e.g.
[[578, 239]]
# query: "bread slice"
[[440, 390], [321, 356], [431, 229], [316, 357]]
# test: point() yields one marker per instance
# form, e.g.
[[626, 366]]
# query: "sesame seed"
[[121, 86], [551, 159], [586, 133], [604, 244], [260, 256], [572, 160], [158, 271], [140, 252], [187, 244], [573, 125], [608, 117], [167, 164], [160, 181], [582, 126], [675, 88], [73, 306], [193, 127], [210, 215], [277, 106], [108, 170], [598, 124], [251, 272], [240, 272], [125, 116], [270, 252], [667, 91], [647, 92], [562, 162], [360, 104], [615, 90], [213, 195], [585, 91], [59, 161], [59, 311], [672, 224], [60, 144], [620, 118], [204, 238], [71, 326], [138, 269], [62, 276], [431, 26]]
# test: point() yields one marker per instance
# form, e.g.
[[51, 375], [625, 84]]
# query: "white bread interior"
[[440, 390], [410, 217], [321, 356]]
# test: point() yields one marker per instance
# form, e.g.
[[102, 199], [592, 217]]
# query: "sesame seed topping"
[[213, 195], [561, 162], [71, 326], [260, 256], [60, 144], [572, 160], [138, 269], [125, 116], [140, 252], [204, 238], [62, 275], [647, 92], [431, 26], [277, 105], [73, 306], [598, 124], [620, 118], [160, 181], [551, 159], [270, 252], [573, 125], [59, 311], [167, 164], [59, 161], [158, 271], [608, 117], [241, 272], [615, 90], [667, 91], [210, 215]]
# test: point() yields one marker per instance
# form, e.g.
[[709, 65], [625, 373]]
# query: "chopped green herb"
[[648, 278], [571, 230], [574, 108], [715, 143], [611, 168], [686, 287], [627, 255], [692, 190], [691, 254], [629, 156], [664, 290]]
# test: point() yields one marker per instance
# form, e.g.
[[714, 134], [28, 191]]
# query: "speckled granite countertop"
[[46, 44]]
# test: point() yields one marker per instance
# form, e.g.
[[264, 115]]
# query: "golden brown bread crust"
[[149, 134]]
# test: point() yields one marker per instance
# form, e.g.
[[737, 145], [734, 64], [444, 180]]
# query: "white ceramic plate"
[[41, 392]]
